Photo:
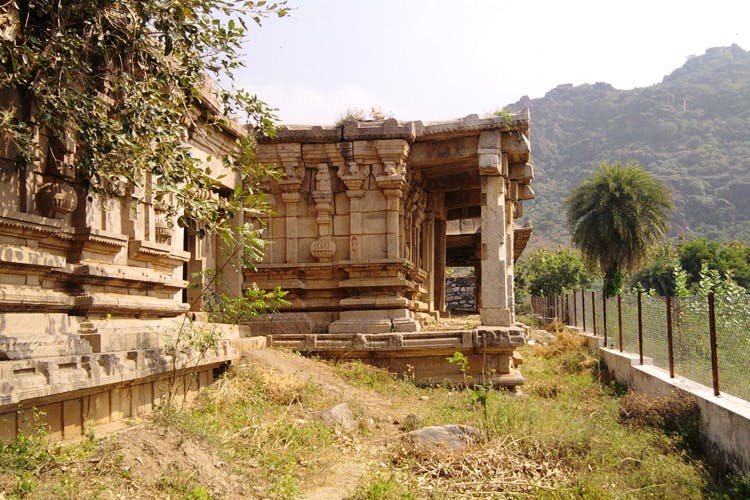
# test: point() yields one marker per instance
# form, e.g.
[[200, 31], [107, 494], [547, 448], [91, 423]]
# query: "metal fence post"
[[712, 333], [583, 308], [670, 344], [604, 316], [619, 319], [640, 328], [593, 310]]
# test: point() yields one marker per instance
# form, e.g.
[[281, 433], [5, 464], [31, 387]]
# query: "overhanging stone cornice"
[[411, 131]]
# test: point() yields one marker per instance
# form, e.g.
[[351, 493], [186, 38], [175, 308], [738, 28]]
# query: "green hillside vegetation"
[[692, 131]]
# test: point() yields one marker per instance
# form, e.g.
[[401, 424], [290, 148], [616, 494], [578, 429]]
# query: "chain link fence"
[[705, 339]]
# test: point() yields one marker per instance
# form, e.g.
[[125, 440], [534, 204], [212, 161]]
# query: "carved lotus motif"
[[323, 248], [56, 199]]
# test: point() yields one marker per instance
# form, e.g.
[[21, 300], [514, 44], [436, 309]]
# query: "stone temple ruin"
[[92, 288], [365, 219]]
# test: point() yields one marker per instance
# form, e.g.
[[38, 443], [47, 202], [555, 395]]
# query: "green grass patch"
[[568, 425], [366, 376], [574, 433]]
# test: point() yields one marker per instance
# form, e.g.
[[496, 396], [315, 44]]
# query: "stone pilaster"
[[324, 247], [291, 243], [393, 154], [291, 161], [353, 175]]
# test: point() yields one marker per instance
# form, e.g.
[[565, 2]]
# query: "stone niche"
[[360, 231]]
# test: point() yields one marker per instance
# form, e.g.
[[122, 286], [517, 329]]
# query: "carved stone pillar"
[[439, 244], [494, 276], [324, 247], [428, 258]]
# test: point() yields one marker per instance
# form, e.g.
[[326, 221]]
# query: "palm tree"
[[615, 215]]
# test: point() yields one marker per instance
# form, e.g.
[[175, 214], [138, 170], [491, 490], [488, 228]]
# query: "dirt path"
[[343, 476]]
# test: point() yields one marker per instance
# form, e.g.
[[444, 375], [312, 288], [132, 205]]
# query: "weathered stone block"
[[7, 426], [73, 427]]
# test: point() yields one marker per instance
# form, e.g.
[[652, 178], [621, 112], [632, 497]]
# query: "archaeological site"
[[364, 220]]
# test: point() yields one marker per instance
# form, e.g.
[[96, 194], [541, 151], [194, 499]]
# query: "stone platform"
[[422, 356]]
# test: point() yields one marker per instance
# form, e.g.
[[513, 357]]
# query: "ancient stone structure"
[[460, 294], [91, 288], [368, 214], [364, 220], [363, 217]]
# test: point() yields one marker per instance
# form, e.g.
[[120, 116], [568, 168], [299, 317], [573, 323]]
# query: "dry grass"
[[497, 468], [566, 343], [254, 434], [676, 413], [546, 389]]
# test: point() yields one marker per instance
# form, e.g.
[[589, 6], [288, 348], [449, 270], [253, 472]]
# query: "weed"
[[259, 421], [555, 327], [479, 394], [380, 487], [462, 363], [566, 342], [178, 482]]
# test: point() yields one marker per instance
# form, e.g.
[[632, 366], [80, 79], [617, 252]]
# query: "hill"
[[692, 130]]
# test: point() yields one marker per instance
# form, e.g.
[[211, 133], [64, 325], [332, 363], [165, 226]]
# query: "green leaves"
[[547, 272], [615, 215], [130, 79]]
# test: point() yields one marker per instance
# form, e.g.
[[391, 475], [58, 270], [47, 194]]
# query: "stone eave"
[[411, 131], [521, 236]]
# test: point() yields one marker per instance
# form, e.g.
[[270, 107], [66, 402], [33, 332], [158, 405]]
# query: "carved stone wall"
[[91, 286], [358, 233]]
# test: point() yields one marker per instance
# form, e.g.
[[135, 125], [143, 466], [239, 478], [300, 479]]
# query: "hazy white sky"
[[440, 59]]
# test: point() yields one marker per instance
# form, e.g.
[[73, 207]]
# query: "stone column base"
[[495, 316], [376, 321], [281, 323]]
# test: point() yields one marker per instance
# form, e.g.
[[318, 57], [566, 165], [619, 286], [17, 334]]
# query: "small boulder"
[[340, 417], [449, 437], [411, 422]]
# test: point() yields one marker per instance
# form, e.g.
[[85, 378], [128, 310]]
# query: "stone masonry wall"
[[459, 293]]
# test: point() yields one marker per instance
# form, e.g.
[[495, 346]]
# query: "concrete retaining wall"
[[725, 420]]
